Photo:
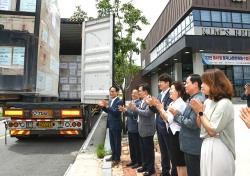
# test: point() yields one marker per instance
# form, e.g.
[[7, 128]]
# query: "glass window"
[[196, 15], [246, 72], [236, 17], [174, 33], [216, 16], [206, 23], [197, 23], [227, 25], [246, 26], [205, 15], [237, 25], [192, 24], [187, 28], [245, 18], [179, 29], [216, 24], [183, 25], [226, 17], [187, 20]]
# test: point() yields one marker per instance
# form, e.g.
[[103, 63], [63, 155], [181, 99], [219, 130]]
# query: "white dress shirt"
[[181, 106], [112, 101], [164, 93]]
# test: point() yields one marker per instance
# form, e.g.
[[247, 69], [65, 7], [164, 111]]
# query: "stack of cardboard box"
[[41, 20]]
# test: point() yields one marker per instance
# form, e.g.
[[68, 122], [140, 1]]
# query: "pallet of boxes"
[[70, 77], [29, 48]]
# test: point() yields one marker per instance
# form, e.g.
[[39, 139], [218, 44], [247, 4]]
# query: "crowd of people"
[[194, 123]]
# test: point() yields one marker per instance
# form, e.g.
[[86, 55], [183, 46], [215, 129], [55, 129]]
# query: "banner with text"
[[225, 59]]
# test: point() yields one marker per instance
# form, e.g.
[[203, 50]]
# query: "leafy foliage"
[[101, 152], [79, 15]]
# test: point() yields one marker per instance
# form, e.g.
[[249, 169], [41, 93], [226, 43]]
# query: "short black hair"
[[146, 87], [116, 88], [196, 78], [166, 78]]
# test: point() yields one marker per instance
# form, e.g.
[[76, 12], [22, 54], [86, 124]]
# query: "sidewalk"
[[122, 170], [87, 162]]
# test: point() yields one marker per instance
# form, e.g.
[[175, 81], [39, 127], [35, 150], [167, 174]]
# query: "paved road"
[[41, 157]]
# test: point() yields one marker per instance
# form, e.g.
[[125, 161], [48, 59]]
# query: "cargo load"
[[29, 48]]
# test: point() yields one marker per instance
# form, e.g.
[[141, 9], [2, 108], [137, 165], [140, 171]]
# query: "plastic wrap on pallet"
[[18, 22], [69, 85], [11, 60], [48, 50], [29, 56], [8, 5]]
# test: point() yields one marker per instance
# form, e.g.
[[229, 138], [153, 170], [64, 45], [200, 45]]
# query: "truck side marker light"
[[13, 113], [73, 113]]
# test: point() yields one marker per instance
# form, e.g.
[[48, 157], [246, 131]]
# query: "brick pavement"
[[122, 170]]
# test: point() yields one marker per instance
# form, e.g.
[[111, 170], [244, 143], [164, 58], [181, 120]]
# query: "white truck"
[[28, 118]]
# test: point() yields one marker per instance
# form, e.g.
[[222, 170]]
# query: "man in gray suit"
[[190, 141], [146, 128], [133, 134]]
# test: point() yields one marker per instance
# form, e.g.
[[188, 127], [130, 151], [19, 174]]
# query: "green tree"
[[128, 21], [79, 15]]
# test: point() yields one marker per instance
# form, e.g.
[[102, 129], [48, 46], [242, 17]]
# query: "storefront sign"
[[222, 31], [225, 59]]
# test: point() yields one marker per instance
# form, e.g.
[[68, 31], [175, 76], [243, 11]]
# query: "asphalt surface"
[[42, 156]]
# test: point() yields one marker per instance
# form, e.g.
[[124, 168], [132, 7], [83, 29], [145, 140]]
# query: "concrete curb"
[[107, 165], [87, 162]]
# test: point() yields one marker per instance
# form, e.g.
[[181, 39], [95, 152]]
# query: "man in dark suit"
[[164, 83], [146, 128], [246, 94], [114, 123], [133, 134]]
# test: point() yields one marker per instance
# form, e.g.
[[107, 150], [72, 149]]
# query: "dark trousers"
[[193, 164], [134, 147], [115, 143], [163, 140], [147, 153]]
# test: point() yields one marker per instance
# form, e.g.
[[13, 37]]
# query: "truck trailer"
[[43, 93]]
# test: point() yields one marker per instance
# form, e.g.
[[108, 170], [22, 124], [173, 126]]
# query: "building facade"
[[191, 36]]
